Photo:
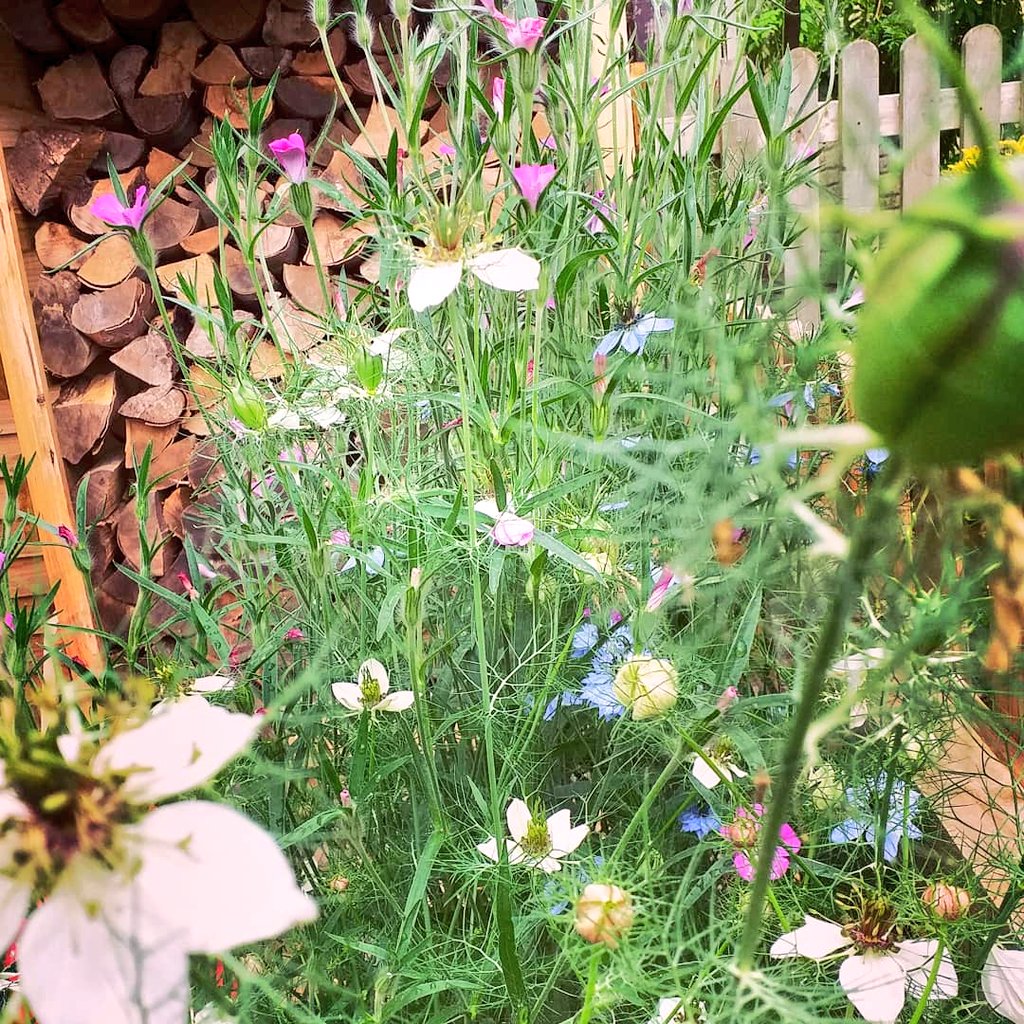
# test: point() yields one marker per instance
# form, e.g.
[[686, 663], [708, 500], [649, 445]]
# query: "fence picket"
[[983, 62], [859, 127], [920, 89], [741, 133]]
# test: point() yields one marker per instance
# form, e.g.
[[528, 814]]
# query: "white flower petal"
[[549, 865], [876, 985], [518, 818], [100, 964], [704, 773], [284, 419], [565, 838], [400, 700], [487, 507], [327, 416], [1002, 981], [178, 749], [511, 270], [489, 848], [213, 684], [373, 669], [216, 875], [15, 892], [816, 939], [431, 283], [515, 852], [917, 957], [348, 694]]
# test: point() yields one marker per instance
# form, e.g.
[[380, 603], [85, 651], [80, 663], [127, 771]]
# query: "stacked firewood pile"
[[142, 82]]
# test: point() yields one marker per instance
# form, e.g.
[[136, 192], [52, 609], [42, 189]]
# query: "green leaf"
[[566, 554], [310, 827], [418, 888], [735, 663]]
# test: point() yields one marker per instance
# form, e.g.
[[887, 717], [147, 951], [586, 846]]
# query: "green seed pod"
[[939, 368], [247, 406]]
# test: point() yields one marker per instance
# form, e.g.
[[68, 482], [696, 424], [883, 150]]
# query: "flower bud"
[[938, 370], [320, 14], [604, 913], [646, 685], [247, 406], [946, 901]]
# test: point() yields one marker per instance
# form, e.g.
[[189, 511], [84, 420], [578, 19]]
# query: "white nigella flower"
[[433, 280], [536, 843], [132, 890], [854, 669], [1002, 981], [879, 970], [710, 770], [213, 684], [285, 419], [370, 692], [673, 1010]]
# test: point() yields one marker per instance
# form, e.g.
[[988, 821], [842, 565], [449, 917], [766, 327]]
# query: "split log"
[[66, 351], [369, 270], [148, 359], [233, 22], [263, 62], [61, 289], [205, 388], [129, 535], [338, 134], [77, 91], [110, 263], [140, 437], [167, 121], [170, 469], [82, 414], [381, 123], [138, 14], [220, 67], [314, 99], [197, 151], [337, 242], [314, 62], [125, 151], [105, 485], [278, 244], [196, 424], [243, 288], [297, 329], [176, 58], [169, 225], [102, 545], [287, 28], [200, 345], [360, 76], [160, 406], [86, 24], [31, 25], [198, 271], [345, 182], [303, 285], [204, 468], [160, 165], [205, 241], [174, 507], [234, 104], [268, 362], [114, 614], [45, 162], [116, 316], [56, 246], [80, 201]]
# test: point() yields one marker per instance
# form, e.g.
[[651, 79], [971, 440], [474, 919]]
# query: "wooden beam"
[[33, 419]]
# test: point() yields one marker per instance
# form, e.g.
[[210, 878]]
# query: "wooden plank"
[[609, 63], [859, 122], [802, 260], [48, 486], [982, 52], [27, 574], [919, 119], [741, 134]]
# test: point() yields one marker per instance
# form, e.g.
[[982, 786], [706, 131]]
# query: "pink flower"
[[744, 832], [3, 560], [549, 143], [532, 179], [605, 87], [727, 698], [295, 634], [445, 150], [67, 535], [523, 34], [663, 583], [187, 587], [9, 621], [549, 303], [111, 212], [600, 387], [509, 530], [291, 152], [498, 95], [205, 571], [341, 538], [595, 223]]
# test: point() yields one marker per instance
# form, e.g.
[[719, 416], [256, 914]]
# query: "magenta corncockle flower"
[[291, 153], [614, 618], [445, 150], [727, 698], [508, 529], [109, 210], [498, 95], [549, 302], [744, 832], [549, 142], [9, 621], [605, 87], [187, 586], [661, 585], [602, 209], [67, 535], [341, 538], [3, 560], [523, 34], [532, 179], [295, 634]]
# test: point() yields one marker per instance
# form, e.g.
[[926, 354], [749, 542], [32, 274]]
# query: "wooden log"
[[159, 406], [197, 152], [76, 90], [140, 436], [198, 271], [263, 62], [110, 263], [297, 329], [105, 485], [303, 285], [61, 289], [45, 162], [79, 201], [116, 316], [138, 14], [221, 67], [168, 121], [278, 244], [114, 613], [360, 76], [161, 165], [336, 241], [268, 362], [205, 241], [226, 102], [343, 177], [381, 123], [129, 535], [148, 359], [170, 469], [56, 246], [169, 225], [83, 413], [314, 61], [174, 507], [287, 28], [126, 151], [243, 288], [66, 351], [86, 24], [205, 388], [306, 98], [32, 26], [235, 22], [176, 58]]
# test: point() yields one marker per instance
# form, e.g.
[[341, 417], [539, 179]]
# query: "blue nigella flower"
[[874, 460], [596, 687], [631, 337], [584, 640], [899, 817], [699, 819]]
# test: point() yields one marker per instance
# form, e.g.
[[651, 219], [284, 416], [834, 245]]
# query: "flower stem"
[[588, 996], [862, 548], [930, 983]]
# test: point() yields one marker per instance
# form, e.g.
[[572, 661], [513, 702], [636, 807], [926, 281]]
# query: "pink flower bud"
[[498, 95], [68, 535], [946, 901], [291, 152], [512, 531], [604, 913], [295, 634], [727, 698], [532, 179]]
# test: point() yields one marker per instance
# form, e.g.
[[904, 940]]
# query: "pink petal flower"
[[498, 95], [549, 302], [445, 150], [532, 179], [295, 634], [549, 143], [9, 621], [67, 535], [523, 34], [291, 152], [512, 531], [341, 538], [744, 868], [727, 698], [110, 211]]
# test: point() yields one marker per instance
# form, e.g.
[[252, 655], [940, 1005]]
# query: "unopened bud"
[[946, 901], [646, 685], [339, 884], [320, 14], [604, 913], [247, 405], [416, 578]]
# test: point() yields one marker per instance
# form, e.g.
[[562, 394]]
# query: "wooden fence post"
[[983, 65], [859, 127], [609, 63], [26, 381], [919, 119]]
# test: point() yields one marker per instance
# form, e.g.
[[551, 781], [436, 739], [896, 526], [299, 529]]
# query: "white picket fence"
[[850, 130]]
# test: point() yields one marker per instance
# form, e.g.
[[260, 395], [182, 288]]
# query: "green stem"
[[851, 578], [588, 995], [930, 983]]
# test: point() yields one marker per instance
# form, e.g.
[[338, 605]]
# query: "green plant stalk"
[[851, 578], [587, 1009], [930, 983]]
